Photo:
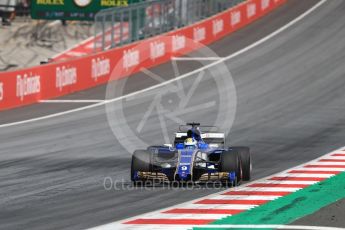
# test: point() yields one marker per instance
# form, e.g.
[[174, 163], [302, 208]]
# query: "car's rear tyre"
[[141, 162], [230, 162], [246, 163]]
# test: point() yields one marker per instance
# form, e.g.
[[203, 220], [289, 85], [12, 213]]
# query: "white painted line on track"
[[337, 157], [154, 227], [71, 101], [185, 216], [320, 169], [219, 206], [273, 226], [231, 56], [196, 58], [245, 197], [305, 175], [229, 227], [286, 182], [263, 189]]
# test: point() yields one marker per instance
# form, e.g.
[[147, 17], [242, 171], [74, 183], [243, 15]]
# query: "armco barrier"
[[27, 86]]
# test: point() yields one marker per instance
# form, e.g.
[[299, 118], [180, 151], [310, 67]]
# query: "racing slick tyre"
[[141, 162], [246, 163], [230, 162]]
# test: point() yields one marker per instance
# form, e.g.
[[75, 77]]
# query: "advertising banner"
[[27, 86]]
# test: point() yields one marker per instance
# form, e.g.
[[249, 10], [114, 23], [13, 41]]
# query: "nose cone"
[[184, 168], [184, 172]]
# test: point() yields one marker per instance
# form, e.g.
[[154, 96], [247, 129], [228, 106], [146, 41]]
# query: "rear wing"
[[213, 139], [180, 137], [204, 128]]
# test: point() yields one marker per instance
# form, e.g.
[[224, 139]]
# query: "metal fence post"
[[187, 14], [121, 28], [95, 36], [103, 33], [137, 23], [130, 25], [173, 15], [180, 14], [112, 31], [163, 17]]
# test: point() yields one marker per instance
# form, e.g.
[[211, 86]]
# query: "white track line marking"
[[219, 206], [286, 182], [196, 58], [261, 41], [305, 175], [183, 227], [320, 169], [245, 197], [337, 157], [263, 189], [300, 227], [71, 101], [153, 227], [184, 216]]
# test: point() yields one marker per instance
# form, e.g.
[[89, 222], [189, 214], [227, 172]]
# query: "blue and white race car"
[[195, 156]]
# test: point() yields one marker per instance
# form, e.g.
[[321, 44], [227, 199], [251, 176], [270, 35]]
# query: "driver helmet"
[[190, 143]]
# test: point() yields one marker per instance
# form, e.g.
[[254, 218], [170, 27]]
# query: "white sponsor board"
[[131, 58], [1, 91], [157, 50], [251, 10], [65, 76], [100, 67], [199, 34], [217, 26], [178, 42], [265, 4], [236, 17], [28, 85]]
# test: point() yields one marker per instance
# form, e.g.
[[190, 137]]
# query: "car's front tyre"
[[246, 163], [141, 162], [230, 162]]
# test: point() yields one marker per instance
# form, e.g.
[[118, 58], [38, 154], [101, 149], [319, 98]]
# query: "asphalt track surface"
[[290, 109]]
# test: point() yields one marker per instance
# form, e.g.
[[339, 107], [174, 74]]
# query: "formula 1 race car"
[[197, 156]]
